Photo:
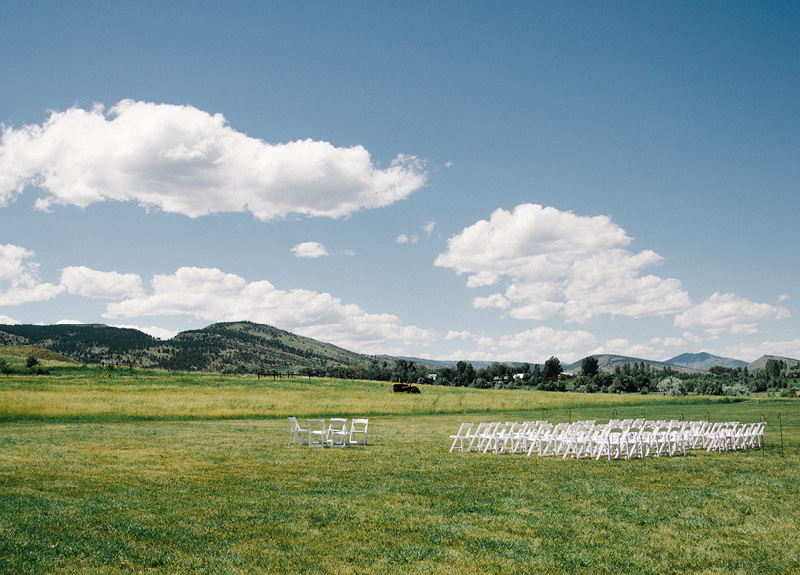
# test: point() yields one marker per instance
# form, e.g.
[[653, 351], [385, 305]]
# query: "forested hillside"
[[224, 347]]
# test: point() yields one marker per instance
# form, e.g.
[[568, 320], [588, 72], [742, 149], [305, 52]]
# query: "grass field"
[[144, 472]]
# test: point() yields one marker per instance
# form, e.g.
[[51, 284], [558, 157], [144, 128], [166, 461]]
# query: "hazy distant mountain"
[[607, 362], [761, 362], [450, 363], [704, 361]]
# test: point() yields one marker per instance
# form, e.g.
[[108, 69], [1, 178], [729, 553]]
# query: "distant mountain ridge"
[[607, 362], [704, 361], [761, 362]]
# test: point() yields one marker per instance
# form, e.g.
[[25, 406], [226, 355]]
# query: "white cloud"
[[621, 346], [154, 330], [753, 351], [19, 280], [309, 250], [558, 263], [414, 238], [452, 334], [5, 320], [210, 294], [729, 312], [404, 239], [668, 341], [187, 161], [91, 283], [493, 301], [544, 342]]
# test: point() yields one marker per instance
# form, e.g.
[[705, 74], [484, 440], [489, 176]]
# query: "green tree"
[[31, 361], [552, 369], [589, 366], [5, 367]]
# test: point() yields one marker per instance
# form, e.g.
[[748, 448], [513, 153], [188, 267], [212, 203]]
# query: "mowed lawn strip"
[[231, 496]]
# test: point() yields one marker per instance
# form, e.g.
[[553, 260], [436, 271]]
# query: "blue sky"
[[451, 180]]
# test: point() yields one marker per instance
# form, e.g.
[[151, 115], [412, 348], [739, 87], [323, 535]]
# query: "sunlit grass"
[[99, 486], [153, 396]]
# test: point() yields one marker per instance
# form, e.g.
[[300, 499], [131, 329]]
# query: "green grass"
[[90, 484], [82, 394]]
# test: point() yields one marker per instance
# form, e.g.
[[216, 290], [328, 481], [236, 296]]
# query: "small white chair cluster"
[[626, 439], [335, 434]]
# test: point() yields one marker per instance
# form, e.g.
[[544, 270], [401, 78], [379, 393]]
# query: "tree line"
[[636, 377]]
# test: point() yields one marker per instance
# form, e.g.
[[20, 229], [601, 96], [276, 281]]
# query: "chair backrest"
[[316, 432], [358, 431]]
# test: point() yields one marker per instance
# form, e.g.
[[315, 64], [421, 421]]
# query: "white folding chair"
[[486, 436], [460, 437], [611, 442], [337, 432], [535, 436], [547, 444], [296, 433], [358, 431], [316, 433], [757, 438], [474, 436], [631, 441]]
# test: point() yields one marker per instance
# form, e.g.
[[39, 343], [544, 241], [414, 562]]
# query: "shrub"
[[671, 386], [736, 390]]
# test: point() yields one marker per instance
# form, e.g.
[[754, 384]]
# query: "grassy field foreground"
[[89, 484]]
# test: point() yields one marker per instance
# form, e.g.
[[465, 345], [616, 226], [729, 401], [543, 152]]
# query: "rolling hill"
[[704, 361], [219, 347], [761, 362], [251, 347], [607, 362]]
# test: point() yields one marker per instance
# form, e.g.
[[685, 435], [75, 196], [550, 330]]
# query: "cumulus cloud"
[[210, 294], [729, 312], [19, 279], [452, 334], [5, 320], [622, 346], [187, 161], [154, 330], [559, 263], [752, 351], [309, 250], [95, 284], [544, 341]]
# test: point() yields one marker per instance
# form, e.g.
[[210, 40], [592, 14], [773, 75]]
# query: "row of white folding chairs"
[[733, 435], [336, 434], [617, 439]]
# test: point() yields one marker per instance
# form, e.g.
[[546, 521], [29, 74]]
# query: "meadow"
[[145, 472]]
